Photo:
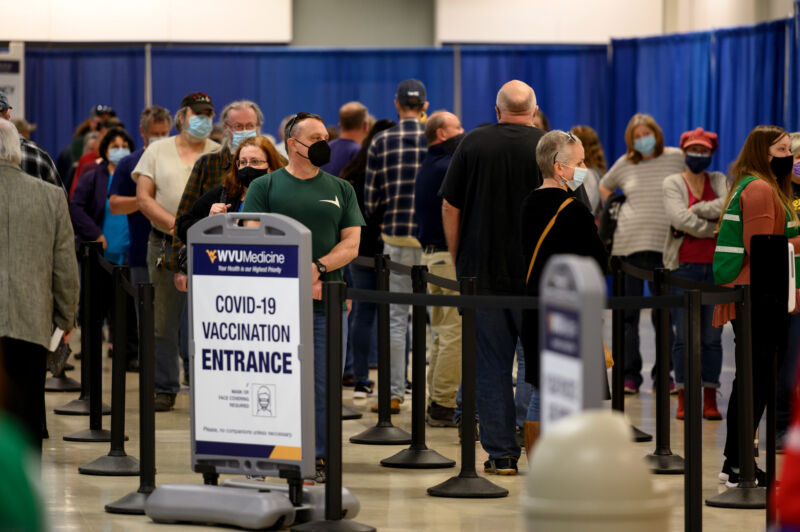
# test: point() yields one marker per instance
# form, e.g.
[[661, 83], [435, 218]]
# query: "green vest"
[[729, 253]]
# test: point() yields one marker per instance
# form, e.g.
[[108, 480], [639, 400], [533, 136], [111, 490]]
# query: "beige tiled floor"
[[391, 499]]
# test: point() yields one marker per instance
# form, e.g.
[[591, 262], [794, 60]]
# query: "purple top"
[[342, 152]]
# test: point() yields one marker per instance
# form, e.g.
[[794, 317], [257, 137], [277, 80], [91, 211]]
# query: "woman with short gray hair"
[[553, 223]]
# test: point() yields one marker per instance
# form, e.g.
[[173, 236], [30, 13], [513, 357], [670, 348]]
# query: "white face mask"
[[577, 177]]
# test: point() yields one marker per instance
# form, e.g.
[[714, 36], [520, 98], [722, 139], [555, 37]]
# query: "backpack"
[[608, 219]]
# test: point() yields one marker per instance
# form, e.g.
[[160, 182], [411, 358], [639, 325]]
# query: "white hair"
[[9, 142], [552, 147]]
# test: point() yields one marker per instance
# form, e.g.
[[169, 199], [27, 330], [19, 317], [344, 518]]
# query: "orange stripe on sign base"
[[282, 452]]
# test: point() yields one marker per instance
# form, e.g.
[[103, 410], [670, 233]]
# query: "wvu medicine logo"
[[212, 255]]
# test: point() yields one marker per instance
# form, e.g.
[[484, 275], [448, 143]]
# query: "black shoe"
[[506, 465], [133, 366], [164, 402], [362, 389], [731, 476], [68, 366], [440, 416], [348, 381], [186, 381]]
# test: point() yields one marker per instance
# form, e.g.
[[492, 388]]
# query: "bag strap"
[[544, 234]]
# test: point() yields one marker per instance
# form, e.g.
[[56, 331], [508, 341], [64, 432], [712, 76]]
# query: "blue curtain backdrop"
[[284, 81], [570, 82], [63, 84], [668, 77], [725, 80]]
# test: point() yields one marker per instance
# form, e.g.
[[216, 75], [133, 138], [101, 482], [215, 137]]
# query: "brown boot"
[[679, 413], [710, 410], [531, 430]]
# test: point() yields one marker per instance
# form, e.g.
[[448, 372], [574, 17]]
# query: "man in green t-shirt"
[[327, 206]]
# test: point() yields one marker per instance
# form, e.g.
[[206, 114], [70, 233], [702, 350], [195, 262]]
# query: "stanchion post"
[[80, 406], [93, 357], [662, 460], [772, 378], [117, 462], [418, 456], [692, 435], [383, 433], [468, 484], [333, 295], [618, 339], [133, 503], [746, 494]]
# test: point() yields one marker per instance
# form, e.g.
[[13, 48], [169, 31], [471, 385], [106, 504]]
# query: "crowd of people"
[[493, 203]]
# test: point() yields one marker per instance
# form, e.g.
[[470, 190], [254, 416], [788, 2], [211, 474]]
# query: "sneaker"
[[321, 472], [440, 416], [394, 406], [348, 381], [164, 402], [506, 465], [362, 389], [408, 388], [730, 476], [630, 387]]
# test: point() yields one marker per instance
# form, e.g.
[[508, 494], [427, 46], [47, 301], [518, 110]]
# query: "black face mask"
[[781, 166], [247, 174], [452, 143], [697, 164], [319, 153]]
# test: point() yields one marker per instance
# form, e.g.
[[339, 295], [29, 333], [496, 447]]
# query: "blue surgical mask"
[[115, 155], [645, 145], [199, 126], [577, 178], [154, 139], [239, 136]]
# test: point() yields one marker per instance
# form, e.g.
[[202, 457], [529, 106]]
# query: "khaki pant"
[[444, 367]]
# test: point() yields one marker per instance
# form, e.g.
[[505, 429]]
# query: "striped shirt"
[[393, 159], [643, 222]]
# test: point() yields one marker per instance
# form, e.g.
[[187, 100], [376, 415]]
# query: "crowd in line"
[[494, 203]]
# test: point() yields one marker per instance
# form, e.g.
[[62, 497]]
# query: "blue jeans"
[[522, 395], [398, 317], [497, 335], [362, 339], [649, 260], [320, 383], [711, 361], [169, 306]]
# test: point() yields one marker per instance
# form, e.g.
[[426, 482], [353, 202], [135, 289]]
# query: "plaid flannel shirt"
[[393, 159], [36, 162], [207, 173]]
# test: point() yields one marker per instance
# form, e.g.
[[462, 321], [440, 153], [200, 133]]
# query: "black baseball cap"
[[198, 101], [411, 92]]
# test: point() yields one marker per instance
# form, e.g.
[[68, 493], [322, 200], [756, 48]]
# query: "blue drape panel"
[[749, 82], [284, 81], [622, 103], [570, 82], [63, 84]]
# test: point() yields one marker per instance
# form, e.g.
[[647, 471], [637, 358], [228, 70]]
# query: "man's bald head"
[[516, 103]]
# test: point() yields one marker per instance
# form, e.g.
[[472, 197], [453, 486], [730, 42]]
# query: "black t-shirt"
[[574, 232], [491, 172]]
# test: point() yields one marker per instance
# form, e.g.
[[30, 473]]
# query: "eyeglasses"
[[570, 140], [242, 127], [241, 163]]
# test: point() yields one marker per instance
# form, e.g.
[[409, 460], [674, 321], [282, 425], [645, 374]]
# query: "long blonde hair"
[[753, 160]]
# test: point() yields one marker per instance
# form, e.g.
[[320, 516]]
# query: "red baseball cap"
[[699, 137]]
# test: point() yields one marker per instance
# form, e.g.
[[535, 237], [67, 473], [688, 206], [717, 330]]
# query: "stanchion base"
[[343, 525], [111, 466], [90, 435], [382, 434], [468, 487], [79, 407], [665, 464], [61, 384], [641, 436], [742, 498], [131, 504], [418, 459], [348, 413]]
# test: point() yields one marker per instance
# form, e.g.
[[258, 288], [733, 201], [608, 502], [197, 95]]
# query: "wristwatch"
[[321, 267]]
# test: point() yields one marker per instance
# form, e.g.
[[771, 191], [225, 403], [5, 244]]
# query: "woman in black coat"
[[553, 223]]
